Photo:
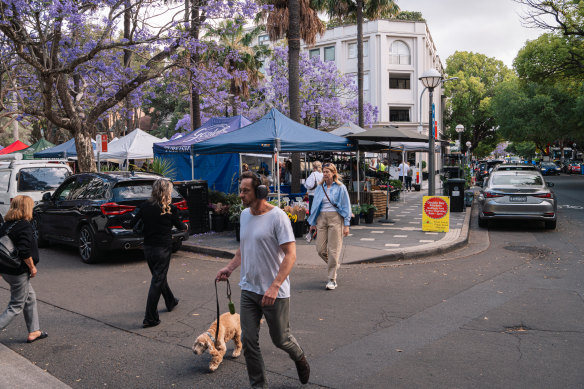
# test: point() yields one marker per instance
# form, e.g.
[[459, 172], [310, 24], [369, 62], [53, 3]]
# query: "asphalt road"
[[505, 311]]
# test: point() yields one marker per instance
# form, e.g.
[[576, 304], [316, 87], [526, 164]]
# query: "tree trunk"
[[83, 137], [233, 91], [360, 62], [127, 59], [294, 80], [196, 20]]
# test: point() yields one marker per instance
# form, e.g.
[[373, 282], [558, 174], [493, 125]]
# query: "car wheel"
[[551, 225], [87, 247], [176, 246], [35, 230], [483, 223]]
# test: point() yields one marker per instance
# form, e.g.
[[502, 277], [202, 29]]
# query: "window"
[[66, 191], [365, 80], [397, 114], [94, 189], [4, 180], [329, 53], [314, 53], [353, 49], [399, 81], [399, 53], [41, 178], [263, 39]]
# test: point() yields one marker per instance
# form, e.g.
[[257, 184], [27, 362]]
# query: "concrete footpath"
[[367, 243]]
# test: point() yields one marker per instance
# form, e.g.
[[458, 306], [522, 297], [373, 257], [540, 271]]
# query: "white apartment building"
[[396, 53]]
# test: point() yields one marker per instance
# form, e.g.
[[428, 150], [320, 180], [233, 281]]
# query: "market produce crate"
[[378, 198]]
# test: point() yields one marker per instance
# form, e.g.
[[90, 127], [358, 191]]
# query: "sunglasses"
[[327, 165]]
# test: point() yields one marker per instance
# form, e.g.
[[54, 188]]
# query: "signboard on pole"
[[101, 140], [436, 213]]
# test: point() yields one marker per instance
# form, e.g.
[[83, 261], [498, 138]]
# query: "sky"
[[490, 27]]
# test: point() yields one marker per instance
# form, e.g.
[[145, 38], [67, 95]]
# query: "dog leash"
[[231, 308]]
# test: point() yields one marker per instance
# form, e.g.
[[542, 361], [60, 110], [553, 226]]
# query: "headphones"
[[261, 190]]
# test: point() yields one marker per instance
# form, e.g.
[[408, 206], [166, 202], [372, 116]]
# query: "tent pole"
[[387, 219], [240, 167], [358, 179], [277, 145], [403, 175], [192, 164]]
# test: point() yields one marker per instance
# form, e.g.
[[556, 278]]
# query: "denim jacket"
[[338, 195]]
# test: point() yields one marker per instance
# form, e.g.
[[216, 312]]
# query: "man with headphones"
[[267, 253]]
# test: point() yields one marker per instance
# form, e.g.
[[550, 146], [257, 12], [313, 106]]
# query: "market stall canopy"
[[260, 137], [17, 145], [64, 150], [136, 145], [212, 128], [347, 129], [41, 145], [389, 133]]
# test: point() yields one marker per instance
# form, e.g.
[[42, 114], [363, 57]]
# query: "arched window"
[[399, 53]]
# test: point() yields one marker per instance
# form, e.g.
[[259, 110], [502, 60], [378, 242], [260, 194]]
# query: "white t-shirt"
[[403, 169], [261, 255], [327, 206], [312, 182]]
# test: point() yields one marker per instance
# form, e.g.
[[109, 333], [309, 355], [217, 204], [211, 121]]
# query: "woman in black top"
[[159, 216], [22, 295]]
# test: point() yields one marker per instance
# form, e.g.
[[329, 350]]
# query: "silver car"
[[517, 195]]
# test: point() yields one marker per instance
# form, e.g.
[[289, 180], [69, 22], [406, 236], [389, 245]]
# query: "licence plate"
[[518, 199]]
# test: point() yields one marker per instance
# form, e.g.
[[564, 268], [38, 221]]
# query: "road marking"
[[570, 206], [400, 236], [377, 232], [368, 239], [431, 233], [414, 222], [392, 245], [426, 241]]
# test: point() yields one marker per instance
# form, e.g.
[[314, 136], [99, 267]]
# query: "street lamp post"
[[468, 144], [316, 114], [460, 130], [431, 79]]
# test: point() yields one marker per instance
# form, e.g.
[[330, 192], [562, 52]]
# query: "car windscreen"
[[549, 164], [136, 190], [518, 180], [33, 179], [4, 180]]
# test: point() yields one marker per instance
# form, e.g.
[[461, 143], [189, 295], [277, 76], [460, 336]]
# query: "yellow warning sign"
[[436, 213]]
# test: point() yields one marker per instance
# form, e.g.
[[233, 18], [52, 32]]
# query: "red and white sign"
[[436, 213], [101, 140]]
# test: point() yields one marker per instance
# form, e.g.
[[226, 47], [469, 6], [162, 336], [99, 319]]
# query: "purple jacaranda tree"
[[320, 83], [67, 56]]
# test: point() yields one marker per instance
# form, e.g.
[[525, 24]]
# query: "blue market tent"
[[64, 150], [261, 137], [220, 171]]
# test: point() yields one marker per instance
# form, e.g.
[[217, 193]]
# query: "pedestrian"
[[312, 181], [244, 167], [158, 216], [330, 216], [409, 176], [22, 294], [402, 172], [267, 253]]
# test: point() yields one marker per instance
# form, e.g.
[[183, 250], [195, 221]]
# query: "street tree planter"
[[219, 222], [369, 216]]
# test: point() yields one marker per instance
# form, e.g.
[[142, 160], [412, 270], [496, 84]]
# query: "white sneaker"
[[331, 285]]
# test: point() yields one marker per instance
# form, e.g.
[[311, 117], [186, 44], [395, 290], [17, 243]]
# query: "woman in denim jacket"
[[330, 216]]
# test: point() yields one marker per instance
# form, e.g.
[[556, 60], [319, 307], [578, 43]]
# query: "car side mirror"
[[46, 196], [549, 184]]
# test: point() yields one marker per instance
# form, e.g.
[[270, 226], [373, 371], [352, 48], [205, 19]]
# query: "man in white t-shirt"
[[267, 253], [402, 171]]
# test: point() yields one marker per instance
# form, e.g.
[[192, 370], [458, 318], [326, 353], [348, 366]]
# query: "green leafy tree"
[[469, 99], [526, 150]]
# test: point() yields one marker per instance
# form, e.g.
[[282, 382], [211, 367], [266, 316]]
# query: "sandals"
[[43, 335]]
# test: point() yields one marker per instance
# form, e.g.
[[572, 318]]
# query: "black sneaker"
[[174, 304], [147, 324], [303, 369]]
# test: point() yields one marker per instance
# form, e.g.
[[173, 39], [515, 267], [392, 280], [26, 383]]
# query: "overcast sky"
[[490, 27]]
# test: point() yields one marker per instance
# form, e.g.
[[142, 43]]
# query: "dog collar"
[[210, 336]]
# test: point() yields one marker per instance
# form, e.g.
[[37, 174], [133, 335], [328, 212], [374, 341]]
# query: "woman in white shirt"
[[312, 181]]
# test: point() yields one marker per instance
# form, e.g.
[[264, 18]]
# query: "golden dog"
[[229, 328]]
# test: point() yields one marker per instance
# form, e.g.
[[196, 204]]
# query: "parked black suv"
[[95, 212]]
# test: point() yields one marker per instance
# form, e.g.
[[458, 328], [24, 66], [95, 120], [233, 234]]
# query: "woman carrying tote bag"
[[22, 294], [330, 216]]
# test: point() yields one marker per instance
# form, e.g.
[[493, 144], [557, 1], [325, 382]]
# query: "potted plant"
[[219, 216], [394, 193], [424, 171], [234, 215], [369, 212], [356, 209]]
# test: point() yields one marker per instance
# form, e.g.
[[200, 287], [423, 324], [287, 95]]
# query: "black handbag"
[[8, 252]]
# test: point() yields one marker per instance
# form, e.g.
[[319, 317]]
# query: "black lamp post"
[[460, 130], [431, 79], [316, 114]]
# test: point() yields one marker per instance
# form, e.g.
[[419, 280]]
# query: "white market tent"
[[136, 145]]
